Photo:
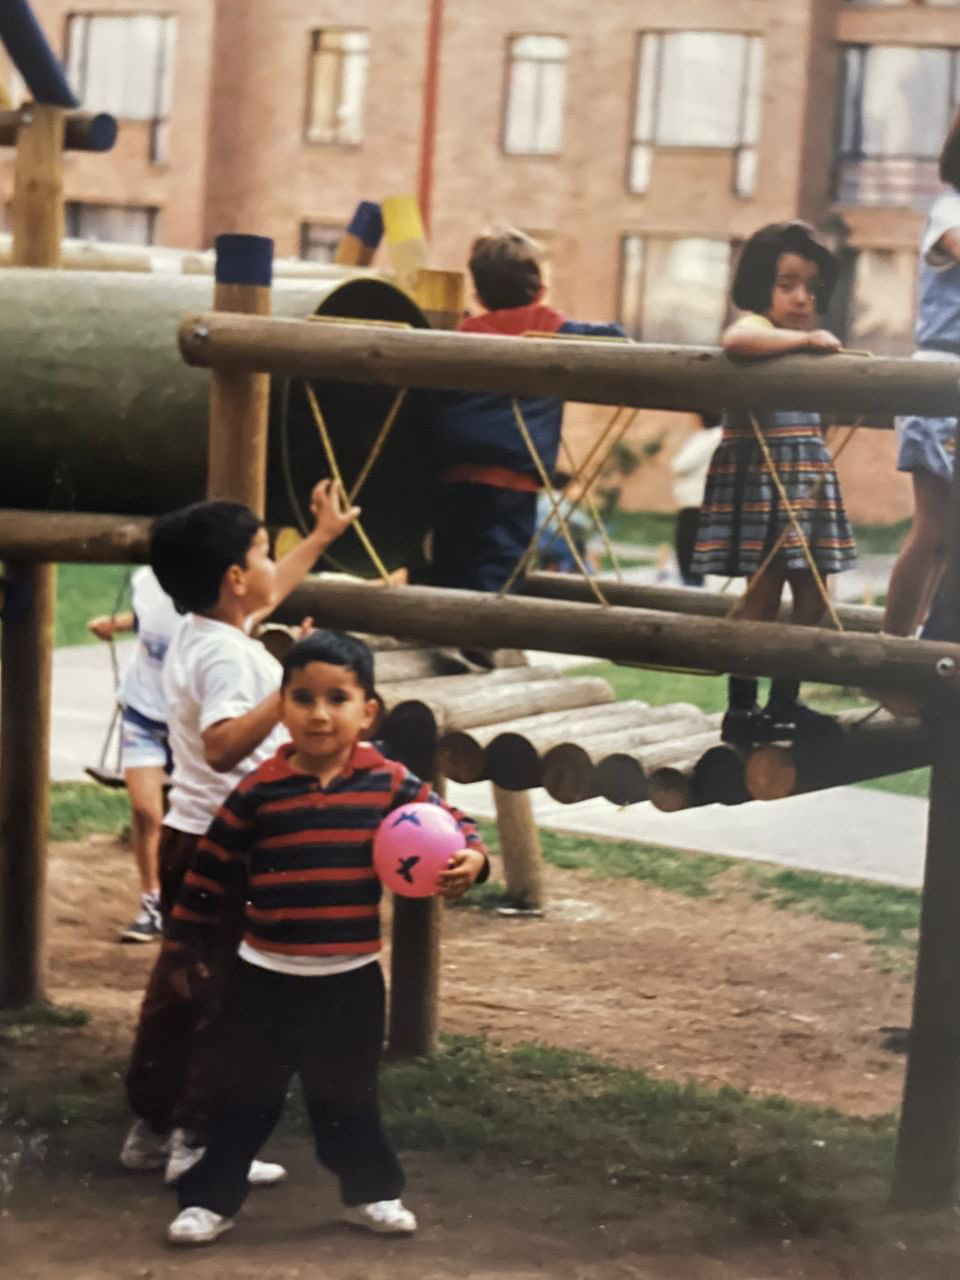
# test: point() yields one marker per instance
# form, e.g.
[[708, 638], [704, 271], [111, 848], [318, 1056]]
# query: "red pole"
[[428, 127]]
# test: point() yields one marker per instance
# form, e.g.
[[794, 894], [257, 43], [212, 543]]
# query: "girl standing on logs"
[[772, 509], [926, 444]]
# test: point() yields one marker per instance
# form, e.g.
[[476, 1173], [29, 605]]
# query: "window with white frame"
[[319, 241], [895, 106], [697, 89], [115, 223], [535, 93], [876, 300], [337, 86], [674, 289], [124, 64]]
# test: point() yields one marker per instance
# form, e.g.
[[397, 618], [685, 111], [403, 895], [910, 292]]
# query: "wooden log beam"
[[688, 600], [520, 849], [503, 702], [68, 538], [83, 130], [569, 770], [610, 372], [513, 757], [863, 749], [719, 776], [622, 778], [641, 636], [441, 688], [462, 752]]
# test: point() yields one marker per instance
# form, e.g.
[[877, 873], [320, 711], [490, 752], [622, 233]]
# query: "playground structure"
[[244, 351]]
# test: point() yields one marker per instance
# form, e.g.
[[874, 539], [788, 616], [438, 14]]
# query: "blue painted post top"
[[367, 224], [27, 46], [244, 260]]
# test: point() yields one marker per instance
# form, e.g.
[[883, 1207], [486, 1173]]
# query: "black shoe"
[[797, 723], [741, 725]]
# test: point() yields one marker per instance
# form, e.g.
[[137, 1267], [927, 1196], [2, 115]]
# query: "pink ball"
[[412, 846]]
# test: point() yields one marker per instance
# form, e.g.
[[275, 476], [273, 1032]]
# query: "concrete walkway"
[[850, 831]]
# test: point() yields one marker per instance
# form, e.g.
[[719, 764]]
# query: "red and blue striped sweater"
[[306, 851]]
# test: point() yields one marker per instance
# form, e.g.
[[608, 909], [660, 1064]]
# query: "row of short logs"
[[521, 727]]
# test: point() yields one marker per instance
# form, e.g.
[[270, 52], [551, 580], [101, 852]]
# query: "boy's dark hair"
[[336, 648], [950, 155], [191, 549], [505, 267], [757, 268]]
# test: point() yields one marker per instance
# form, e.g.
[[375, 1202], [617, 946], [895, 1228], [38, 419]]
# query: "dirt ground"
[[723, 990]]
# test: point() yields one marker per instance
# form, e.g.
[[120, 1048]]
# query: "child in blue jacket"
[[485, 509]]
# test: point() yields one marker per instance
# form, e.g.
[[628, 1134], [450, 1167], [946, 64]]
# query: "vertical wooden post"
[[928, 1149], [415, 971], [520, 847], [26, 636], [239, 401], [440, 295]]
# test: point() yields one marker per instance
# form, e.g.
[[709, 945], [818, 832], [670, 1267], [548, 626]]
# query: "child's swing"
[[102, 772]]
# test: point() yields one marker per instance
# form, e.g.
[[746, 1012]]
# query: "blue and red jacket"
[[475, 435]]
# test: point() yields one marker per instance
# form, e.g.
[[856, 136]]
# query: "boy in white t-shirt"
[[222, 694], [144, 745]]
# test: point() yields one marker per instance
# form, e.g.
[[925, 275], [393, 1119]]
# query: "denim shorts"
[[144, 743], [926, 444]]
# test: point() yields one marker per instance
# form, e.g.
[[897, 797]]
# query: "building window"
[[319, 241], [895, 107], [535, 92], [875, 300], [337, 86], [697, 89], [124, 64], [674, 290], [115, 223]]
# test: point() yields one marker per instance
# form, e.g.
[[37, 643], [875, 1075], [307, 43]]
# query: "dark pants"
[[685, 539], [329, 1032], [168, 1080], [479, 534]]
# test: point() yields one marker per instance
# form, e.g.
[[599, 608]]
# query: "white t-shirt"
[[157, 620], [944, 216], [212, 672]]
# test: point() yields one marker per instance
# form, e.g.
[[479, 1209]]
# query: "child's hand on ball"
[[462, 869]]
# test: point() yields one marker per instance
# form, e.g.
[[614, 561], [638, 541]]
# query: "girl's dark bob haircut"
[[757, 268], [950, 155]]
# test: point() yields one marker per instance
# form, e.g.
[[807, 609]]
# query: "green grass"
[[881, 539], [916, 782], [78, 809], [888, 915], [649, 528], [626, 1141], [83, 591]]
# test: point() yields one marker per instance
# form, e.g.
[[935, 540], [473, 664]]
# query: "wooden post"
[[440, 295], [240, 401], [415, 971], [26, 644], [927, 1164], [520, 848]]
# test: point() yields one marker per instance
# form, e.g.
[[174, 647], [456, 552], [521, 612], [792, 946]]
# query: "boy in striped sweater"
[[306, 995]]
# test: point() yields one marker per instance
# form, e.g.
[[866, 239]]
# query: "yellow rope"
[[554, 505], [378, 444], [595, 517], [587, 485], [338, 480], [810, 494], [792, 517]]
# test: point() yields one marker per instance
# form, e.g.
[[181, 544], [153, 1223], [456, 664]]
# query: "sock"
[[741, 693], [784, 693]]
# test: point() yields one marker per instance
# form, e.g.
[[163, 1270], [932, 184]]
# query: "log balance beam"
[[609, 371]]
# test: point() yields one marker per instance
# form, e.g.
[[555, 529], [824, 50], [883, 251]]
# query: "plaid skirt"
[[742, 516]]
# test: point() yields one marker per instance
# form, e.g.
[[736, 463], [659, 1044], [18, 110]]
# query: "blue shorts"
[[144, 743], [927, 444]]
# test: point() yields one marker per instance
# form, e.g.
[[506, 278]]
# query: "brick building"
[[640, 141]]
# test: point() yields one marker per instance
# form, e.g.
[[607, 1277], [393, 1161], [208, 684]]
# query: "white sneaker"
[[183, 1156], [143, 1149], [385, 1217], [263, 1173], [197, 1226]]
